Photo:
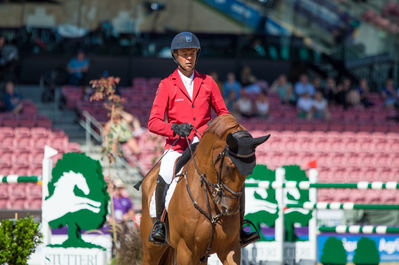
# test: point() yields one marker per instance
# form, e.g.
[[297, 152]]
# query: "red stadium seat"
[[17, 191], [40, 132], [7, 132], [4, 191], [33, 191], [15, 204], [34, 204]]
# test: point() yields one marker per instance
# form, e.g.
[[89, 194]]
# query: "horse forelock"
[[223, 124]]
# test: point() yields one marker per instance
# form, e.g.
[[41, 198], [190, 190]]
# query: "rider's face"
[[187, 58]]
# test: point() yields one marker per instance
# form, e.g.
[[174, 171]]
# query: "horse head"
[[78, 180], [233, 164]]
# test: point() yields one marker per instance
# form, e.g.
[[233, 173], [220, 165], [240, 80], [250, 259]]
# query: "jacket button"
[[194, 119], [192, 106]]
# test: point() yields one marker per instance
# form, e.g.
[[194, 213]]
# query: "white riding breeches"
[[168, 163]]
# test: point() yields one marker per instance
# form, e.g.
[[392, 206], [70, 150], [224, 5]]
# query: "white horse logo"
[[65, 201]]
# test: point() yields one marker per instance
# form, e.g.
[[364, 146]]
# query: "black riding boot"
[[246, 238], [158, 233]]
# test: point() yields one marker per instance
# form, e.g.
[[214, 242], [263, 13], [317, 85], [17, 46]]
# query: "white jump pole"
[[47, 167], [313, 231], [279, 224]]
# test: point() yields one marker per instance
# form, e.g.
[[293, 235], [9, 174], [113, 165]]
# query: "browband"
[[239, 155]]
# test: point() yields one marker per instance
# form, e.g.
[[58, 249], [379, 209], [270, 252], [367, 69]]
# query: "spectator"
[[331, 90], [12, 100], [304, 86], [231, 84], [305, 106], [123, 206], [318, 85], [88, 91], [352, 95], [390, 95], [320, 106], [262, 105], [363, 90], [258, 48], [215, 77], [8, 60], [120, 128], [283, 89], [340, 95], [244, 106], [248, 82], [78, 68], [231, 100]]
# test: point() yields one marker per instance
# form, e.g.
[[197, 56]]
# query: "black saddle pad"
[[185, 157]]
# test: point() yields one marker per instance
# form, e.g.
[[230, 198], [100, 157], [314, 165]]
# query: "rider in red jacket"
[[183, 101]]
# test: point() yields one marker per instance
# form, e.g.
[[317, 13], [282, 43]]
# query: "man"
[[12, 100], [183, 101], [77, 68], [8, 60], [123, 207], [304, 86]]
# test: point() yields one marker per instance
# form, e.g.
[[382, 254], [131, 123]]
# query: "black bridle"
[[217, 190]]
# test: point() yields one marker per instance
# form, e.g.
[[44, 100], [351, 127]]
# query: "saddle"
[[184, 158]]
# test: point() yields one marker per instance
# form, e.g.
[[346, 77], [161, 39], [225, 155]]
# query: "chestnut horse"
[[203, 213]]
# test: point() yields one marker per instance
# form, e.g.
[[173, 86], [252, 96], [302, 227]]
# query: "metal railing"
[[94, 130]]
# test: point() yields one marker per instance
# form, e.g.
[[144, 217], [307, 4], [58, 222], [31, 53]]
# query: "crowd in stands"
[[312, 98]]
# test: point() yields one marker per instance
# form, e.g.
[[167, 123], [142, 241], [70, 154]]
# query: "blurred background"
[[320, 75]]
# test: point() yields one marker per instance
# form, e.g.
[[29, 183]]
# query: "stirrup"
[[155, 241], [255, 237]]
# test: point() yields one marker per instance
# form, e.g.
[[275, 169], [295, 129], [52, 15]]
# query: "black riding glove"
[[182, 130]]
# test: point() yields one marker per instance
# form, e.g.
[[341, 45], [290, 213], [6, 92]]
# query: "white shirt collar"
[[185, 78], [188, 83]]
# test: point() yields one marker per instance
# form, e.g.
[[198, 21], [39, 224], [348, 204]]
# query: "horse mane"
[[223, 123]]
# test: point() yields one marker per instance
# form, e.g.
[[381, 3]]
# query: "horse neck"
[[204, 163], [204, 154]]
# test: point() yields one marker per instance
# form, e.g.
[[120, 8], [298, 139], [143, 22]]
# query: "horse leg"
[[168, 257], [231, 257], [184, 254], [155, 254]]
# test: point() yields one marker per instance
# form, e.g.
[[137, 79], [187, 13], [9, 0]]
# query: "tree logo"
[[77, 198], [261, 204]]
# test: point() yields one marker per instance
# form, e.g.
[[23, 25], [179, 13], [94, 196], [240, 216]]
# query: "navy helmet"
[[184, 40]]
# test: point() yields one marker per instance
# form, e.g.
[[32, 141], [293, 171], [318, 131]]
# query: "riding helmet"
[[185, 40]]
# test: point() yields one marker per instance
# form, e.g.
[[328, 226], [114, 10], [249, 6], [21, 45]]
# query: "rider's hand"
[[182, 130]]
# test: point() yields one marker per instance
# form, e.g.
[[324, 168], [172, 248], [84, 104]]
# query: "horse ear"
[[260, 140], [231, 141]]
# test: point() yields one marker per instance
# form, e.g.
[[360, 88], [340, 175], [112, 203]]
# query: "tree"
[[334, 252], [366, 252], [86, 204]]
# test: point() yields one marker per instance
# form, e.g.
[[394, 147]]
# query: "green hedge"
[[18, 240]]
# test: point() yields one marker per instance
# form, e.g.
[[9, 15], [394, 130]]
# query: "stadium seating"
[[353, 145], [22, 141]]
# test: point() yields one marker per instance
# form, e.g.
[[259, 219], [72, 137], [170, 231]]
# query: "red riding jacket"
[[172, 104]]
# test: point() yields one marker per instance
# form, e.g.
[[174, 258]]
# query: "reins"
[[216, 190]]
